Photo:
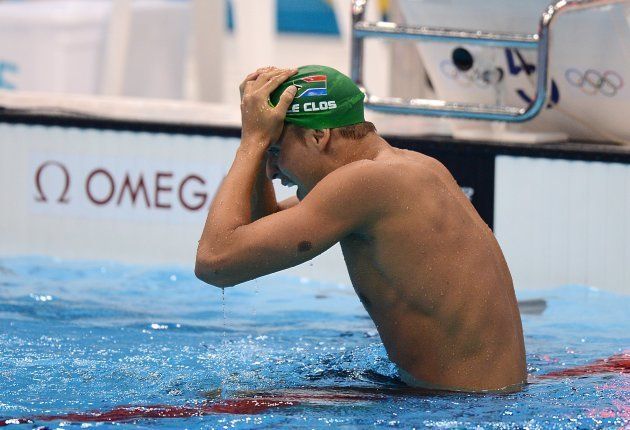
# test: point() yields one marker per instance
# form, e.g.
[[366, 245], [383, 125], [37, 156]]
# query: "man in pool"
[[428, 270]]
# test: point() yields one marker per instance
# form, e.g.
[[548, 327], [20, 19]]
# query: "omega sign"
[[118, 188]]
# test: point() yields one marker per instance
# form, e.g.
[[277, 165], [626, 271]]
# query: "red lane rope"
[[619, 363], [127, 413]]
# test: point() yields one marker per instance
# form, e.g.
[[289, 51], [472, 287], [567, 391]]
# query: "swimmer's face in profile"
[[291, 160]]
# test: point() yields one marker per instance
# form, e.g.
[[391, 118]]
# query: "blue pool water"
[[80, 337]]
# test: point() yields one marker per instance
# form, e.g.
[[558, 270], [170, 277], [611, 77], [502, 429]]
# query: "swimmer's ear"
[[322, 138]]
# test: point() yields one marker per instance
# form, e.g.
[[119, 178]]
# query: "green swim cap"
[[326, 98]]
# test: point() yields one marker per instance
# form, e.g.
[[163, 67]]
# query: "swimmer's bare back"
[[433, 278]]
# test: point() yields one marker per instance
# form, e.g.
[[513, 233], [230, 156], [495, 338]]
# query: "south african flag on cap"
[[325, 98], [309, 86]]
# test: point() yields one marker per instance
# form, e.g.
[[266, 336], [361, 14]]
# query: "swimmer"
[[426, 267]]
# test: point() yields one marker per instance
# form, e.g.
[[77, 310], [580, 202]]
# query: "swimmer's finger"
[[272, 74], [266, 69], [266, 77], [286, 98], [252, 77], [245, 87], [249, 78], [275, 81]]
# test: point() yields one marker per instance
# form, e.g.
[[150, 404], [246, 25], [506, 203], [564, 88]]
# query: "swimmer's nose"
[[271, 169]]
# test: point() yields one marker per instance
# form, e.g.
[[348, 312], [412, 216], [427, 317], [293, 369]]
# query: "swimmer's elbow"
[[210, 269]]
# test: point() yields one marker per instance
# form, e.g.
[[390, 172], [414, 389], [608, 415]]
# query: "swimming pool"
[[89, 338]]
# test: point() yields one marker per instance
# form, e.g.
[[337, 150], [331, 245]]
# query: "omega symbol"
[[41, 196]]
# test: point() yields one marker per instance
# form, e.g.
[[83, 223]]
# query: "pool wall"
[[138, 192]]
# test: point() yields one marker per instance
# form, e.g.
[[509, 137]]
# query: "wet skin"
[[426, 267], [432, 277]]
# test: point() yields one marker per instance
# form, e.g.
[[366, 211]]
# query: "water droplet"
[[223, 310]]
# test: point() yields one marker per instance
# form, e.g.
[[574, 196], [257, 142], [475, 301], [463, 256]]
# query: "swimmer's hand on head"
[[261, 123]]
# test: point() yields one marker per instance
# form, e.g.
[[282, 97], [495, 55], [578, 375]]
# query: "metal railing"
[[440, 108]]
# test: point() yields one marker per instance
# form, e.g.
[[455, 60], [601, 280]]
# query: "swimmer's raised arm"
[[238, 201], [288, 203], [229, 254]]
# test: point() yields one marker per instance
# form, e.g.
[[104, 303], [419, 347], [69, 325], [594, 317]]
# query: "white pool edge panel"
[[564, 222]]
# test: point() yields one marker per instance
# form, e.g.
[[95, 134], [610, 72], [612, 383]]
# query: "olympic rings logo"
[[481, 79], [592, 82]]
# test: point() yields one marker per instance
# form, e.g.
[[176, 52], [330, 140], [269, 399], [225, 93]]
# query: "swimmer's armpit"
[[304, 246]]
